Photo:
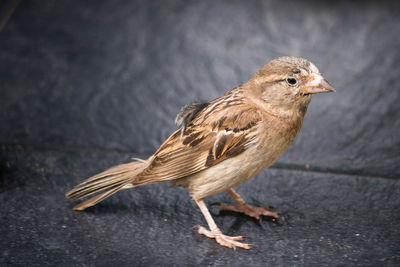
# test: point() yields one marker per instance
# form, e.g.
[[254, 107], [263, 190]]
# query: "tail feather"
[[109, 181], [82, 191], [96, 199]]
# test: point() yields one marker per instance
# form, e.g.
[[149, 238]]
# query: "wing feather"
[[205, 141]]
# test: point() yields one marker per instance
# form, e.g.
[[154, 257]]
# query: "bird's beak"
[[317, 84]]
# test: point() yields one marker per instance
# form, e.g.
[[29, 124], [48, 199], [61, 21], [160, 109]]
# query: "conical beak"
[[317, 84]]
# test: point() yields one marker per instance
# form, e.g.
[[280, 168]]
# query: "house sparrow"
[[223, 143]]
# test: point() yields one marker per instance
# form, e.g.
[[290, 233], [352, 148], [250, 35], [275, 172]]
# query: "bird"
[[222, 143]]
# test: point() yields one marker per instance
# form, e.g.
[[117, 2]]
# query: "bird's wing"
[[222, 130]]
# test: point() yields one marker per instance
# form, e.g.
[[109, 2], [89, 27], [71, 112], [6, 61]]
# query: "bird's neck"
[[288, 111], [283, 106]]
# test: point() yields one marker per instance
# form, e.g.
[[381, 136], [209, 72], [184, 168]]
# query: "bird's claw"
[[255, 212], [224, 240]]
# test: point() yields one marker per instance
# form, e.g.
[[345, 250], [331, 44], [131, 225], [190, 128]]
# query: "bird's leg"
[[243, 207], [214, 232]]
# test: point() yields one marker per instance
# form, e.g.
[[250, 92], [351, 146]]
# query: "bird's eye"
[[291, 81]]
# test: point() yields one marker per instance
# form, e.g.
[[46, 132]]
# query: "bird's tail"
[[106, 183]]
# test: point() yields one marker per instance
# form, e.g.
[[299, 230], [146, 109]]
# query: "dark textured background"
[[85, 85]]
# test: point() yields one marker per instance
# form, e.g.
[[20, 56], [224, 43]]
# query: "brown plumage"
[[223, 143]]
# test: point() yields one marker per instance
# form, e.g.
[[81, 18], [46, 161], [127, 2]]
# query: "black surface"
[[86, 85]]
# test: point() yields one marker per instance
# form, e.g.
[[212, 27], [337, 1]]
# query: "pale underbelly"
[[228, 173]]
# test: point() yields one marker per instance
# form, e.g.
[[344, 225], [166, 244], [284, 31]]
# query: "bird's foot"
[[224, 240], [255, 212]]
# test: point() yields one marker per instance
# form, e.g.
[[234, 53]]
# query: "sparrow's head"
[[290, 81]]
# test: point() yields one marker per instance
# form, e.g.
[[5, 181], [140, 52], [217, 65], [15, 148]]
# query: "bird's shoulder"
[[229, 115]]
